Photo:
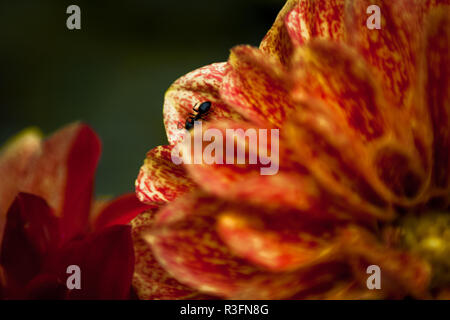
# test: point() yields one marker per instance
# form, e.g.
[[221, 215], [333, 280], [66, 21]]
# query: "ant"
[[202, 111]]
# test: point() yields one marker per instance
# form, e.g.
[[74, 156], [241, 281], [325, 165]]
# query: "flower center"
[[428, 236]]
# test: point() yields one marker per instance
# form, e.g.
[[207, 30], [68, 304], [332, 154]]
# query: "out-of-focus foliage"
[[113, 72]]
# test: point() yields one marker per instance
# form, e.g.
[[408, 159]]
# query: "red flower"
[[51, 224]]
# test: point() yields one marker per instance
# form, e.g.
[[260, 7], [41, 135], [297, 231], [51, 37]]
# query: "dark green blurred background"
[[113, 72]]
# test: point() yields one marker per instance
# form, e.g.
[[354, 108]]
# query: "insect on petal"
[[192, 89]]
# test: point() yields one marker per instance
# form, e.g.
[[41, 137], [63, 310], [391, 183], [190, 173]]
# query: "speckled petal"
[[329, 150], [14, 162], [160, 180], [194, 88], [277, 42], [276, 242], [316, 19], [326, 19], [187, 245], [336, 75], [287, 188], [257, 87], [150, 280], [391, 51], [301, 20]]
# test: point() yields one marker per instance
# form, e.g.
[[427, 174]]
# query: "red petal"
[[31, 232], [106, 261], [108, 264], [46, 287], [192, 89], [64, 175], [120, 211], [160, 180], [3, 283], [14, 162], [150, 280]]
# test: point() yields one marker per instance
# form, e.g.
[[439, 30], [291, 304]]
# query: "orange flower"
[[364, 178]]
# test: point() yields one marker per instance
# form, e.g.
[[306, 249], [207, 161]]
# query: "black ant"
[[202, 111]]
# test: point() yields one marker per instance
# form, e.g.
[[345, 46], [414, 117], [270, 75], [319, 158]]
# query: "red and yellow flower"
[[364, 179]]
